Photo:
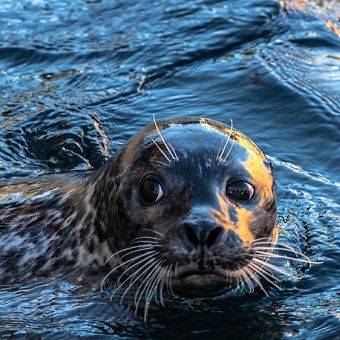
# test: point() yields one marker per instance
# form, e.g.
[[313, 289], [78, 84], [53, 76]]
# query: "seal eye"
[[150, 191], [240, 191]]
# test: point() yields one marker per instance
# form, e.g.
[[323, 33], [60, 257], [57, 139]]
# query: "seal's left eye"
[[240, 191], [150, 191]]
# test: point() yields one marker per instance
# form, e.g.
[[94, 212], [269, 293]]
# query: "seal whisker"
[[278, 244], [145, 272], [149, 291], [293, 251], [275, 268], [264, 274], [280, 249], [273, 245], [146, 282], [230, 160], [163, 284], [168, 279], [160, 149], [286, 248], [152, 247], [159, 162], [174, 156], [219, 150], [162, 276], [152, 291], [138, 263], [173, 150], [170, 282], [267, 255], [123, 250], [239, 280], [265, 271], [253, 274], [231, 280], [261, 239], [146, 242], [137, 278], [154, 231], [145, 279], [157, 286], [119, 266], [142, 247], [220, 157], [250, 280], [146, 237], [150, 260], [265, 240], [227, 155], [242, 281], [245, 277]]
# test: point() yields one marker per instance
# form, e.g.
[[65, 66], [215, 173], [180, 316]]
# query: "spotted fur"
[[50, 224]]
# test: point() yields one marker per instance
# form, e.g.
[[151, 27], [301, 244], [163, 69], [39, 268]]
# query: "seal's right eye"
[[150, 191]]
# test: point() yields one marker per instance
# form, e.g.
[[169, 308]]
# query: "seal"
[[187, 205]]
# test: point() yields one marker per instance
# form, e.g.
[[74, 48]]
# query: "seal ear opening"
[[269, 164]]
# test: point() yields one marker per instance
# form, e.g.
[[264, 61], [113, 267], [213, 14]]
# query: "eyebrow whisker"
[[173, 152], [159, 148], [232, 144], [220, 154]]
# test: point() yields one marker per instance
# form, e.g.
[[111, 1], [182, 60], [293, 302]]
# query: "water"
[[78, 78]]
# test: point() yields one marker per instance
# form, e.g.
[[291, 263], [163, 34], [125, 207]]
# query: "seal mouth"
[[196, 273], [196, 277], [194, 282]]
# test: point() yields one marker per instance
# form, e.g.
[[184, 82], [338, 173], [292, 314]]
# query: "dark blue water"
[[78, 78]]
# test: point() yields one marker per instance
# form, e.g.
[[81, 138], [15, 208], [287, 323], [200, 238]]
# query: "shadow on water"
[[220, 320], [78, 79]]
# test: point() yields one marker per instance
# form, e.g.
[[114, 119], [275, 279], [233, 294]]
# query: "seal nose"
[[204, 234]]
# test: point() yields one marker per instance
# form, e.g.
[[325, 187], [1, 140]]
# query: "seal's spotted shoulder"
[[47, 225]]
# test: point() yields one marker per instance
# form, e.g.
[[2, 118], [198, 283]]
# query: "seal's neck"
[[87, 229]]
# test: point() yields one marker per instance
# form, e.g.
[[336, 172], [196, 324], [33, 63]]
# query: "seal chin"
[[200, 284]]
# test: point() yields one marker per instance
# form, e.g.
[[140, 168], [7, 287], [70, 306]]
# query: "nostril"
[[202, 235], [191, 235], [213, 236]]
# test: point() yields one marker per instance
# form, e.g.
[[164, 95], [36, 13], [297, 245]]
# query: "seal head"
[[192, 196], [183, 205]]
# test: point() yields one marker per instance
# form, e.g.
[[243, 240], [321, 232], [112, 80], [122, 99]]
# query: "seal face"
[[180, 205], [207, 193]]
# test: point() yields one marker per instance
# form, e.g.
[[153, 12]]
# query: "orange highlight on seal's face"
[[261, 178], [241, 227]]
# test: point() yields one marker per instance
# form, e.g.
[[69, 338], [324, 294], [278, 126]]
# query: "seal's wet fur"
[[80, 220], [53, 224]]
